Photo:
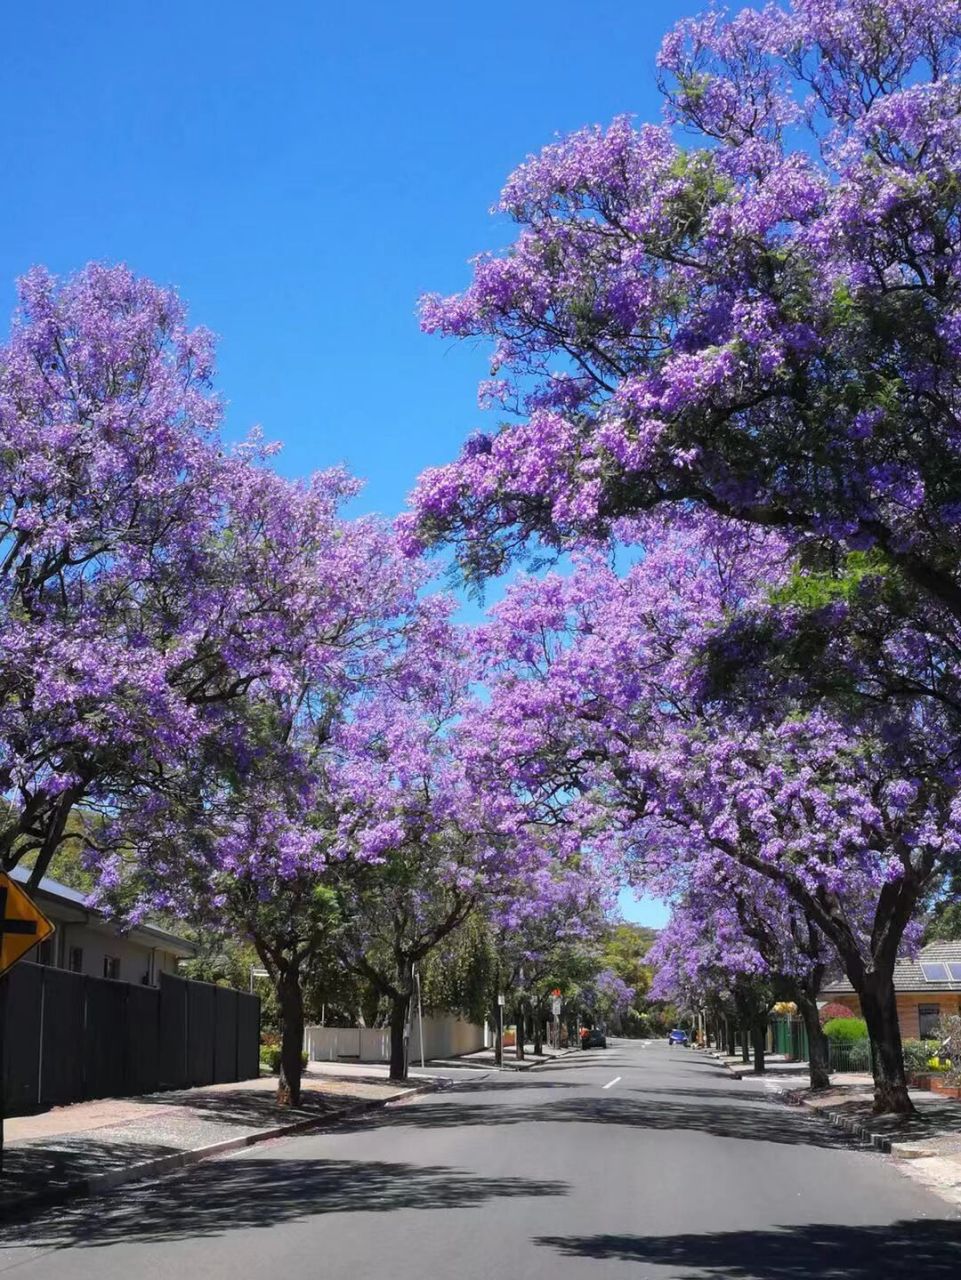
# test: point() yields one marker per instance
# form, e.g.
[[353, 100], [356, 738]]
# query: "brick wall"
[[909, 1003]]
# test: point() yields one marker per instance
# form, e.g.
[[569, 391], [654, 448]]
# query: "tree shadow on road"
[[925, 1249], [753, 1119], [751, 1097], [509, 1086], [46, 1165], [227, 1195]]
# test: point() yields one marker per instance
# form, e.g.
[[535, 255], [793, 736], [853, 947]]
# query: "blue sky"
[[301, 173]]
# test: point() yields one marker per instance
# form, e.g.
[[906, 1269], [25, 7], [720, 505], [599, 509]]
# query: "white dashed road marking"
[[610, 1082]]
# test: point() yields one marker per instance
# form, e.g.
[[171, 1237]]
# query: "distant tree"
[[944, 920]]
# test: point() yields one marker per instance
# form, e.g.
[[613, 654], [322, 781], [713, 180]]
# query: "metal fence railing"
[[849, 1055]]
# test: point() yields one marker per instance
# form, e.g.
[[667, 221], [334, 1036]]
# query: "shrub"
[[270, 1058], [846, 1029], [829, 1012], [917, 1053], [859, 1058]]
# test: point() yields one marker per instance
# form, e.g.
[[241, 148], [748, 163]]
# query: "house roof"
[[52, 892], [910, 975]]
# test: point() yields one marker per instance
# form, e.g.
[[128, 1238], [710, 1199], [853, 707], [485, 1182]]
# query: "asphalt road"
[[633, 1161]]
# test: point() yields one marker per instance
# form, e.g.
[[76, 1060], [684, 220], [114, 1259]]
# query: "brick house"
[[928, 988]]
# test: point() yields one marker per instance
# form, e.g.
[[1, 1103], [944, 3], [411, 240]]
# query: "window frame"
[[925, 1011]]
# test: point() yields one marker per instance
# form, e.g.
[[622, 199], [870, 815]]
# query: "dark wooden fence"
[[70, 1037]]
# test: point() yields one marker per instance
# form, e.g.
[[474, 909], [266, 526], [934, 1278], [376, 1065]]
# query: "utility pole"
[[4, 978], [420, 1018]]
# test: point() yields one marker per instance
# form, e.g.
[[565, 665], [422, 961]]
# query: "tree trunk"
[[521, 1029], [539, 1032], [758, 1029], [879, 1006], [399, 1014], [290, 999], [818, 1066], [497, 1021], [745, 1043], [731, 1039]]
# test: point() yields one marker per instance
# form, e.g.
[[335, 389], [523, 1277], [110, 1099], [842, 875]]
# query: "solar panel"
[[954, 968], [935, 972]]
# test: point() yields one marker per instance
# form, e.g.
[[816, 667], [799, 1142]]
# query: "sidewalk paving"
[[775, 1064], [91, 1146]]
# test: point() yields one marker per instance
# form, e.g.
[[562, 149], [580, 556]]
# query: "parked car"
[[677, 1036], [593, 1039]]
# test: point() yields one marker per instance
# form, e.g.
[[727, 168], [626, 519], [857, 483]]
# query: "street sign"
[[556, 1006], [501, 1001], [22, 923]]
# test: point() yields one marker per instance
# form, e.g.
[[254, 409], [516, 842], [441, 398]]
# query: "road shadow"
[[925, 1249], [731, 1095], [754, 1119], [48, 1165], [226, 1195], [509, 1086]]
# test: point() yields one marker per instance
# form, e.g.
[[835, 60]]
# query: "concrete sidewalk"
[[91, 1146], [775, 1064]]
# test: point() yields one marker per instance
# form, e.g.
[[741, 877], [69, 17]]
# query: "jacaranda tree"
[[605, 708], [241, 833], [753, 309]]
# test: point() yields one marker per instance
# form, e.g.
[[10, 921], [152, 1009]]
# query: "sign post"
[[22, 926]]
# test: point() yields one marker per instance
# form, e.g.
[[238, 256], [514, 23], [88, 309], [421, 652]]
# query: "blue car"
[[677, 1036]]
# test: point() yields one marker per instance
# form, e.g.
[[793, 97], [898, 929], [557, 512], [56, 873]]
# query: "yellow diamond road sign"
[[22, 923]]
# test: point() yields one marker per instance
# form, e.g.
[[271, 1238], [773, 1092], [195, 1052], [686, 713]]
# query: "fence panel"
[[103, 1038], [225, 1035], [142, 1037], [173, 1032], [70, 1037], [248, 1036], [200, 1033], [62, 1039], [21, 1043]]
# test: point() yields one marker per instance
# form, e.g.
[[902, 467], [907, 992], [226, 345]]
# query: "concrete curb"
[[26, 1206], [565, 1053], [879, 1141]]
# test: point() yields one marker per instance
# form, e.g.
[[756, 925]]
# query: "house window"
[[929, 1019], [111, 967], [75, 960]]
